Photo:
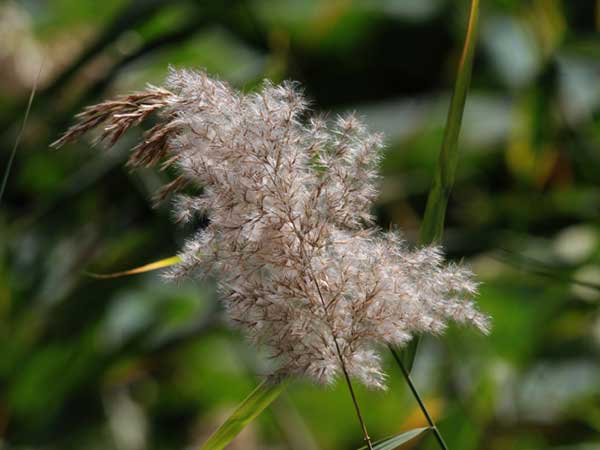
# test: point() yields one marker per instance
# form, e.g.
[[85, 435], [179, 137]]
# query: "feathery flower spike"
[[300, 266]]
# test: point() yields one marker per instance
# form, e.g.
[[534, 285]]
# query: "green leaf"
[[432, 227], [245, 413], [393, 442]]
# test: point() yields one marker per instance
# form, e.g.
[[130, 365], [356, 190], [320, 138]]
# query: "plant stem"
[[432, 227], [415, 393], [354, 400], [433, 221], [20, 135]]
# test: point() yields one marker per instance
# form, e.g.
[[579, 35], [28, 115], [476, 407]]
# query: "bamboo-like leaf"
[[145, 268], [432, 227], [393, 442], [246, 412]]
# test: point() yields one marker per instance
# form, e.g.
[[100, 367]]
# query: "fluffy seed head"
[[290, 235]]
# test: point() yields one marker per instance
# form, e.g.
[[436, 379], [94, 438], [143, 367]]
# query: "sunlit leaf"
[[432, 227], [393, 442], [145, 268]]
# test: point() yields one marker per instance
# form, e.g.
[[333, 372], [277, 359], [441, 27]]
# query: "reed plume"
[[291, 240]]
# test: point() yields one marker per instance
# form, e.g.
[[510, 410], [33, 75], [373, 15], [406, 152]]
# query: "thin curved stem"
[[344, 370], [353, 395], [13, 152], [434, 428]]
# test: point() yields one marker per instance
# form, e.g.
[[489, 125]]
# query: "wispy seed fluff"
[[290, 239]]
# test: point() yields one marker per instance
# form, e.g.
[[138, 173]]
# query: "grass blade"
[[393, 442], [432, 227], [246, 412], [145, 268], [415, 393]]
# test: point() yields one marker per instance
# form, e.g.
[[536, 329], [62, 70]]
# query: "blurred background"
[[134, 363]]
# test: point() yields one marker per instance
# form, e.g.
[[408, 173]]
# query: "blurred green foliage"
[[134, 363]]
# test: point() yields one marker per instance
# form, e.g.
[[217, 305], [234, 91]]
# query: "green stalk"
[[20, 135], [421, 403], [432, 228]]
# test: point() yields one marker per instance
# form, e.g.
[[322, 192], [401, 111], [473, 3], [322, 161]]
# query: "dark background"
[[135, 363]]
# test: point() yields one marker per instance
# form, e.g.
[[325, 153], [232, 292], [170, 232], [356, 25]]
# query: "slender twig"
[[432, 227], [415, 393], [20, 135]]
